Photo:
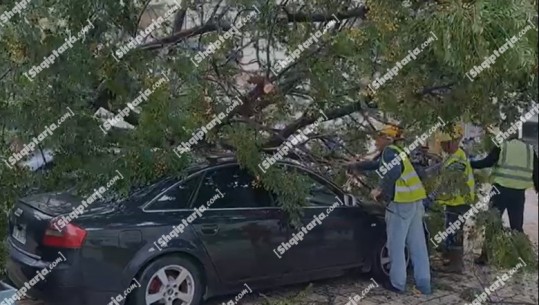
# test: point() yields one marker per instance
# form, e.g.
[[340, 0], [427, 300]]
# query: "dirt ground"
[[447, 289]]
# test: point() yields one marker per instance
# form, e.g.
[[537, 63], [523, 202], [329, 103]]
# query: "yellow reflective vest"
[[515, 165], [466, 198], [408, 187]]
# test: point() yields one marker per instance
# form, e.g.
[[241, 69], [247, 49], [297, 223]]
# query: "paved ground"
[[448, 289], [530, 216]]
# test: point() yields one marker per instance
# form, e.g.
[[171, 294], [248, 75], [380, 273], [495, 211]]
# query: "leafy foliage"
[[506, 248]]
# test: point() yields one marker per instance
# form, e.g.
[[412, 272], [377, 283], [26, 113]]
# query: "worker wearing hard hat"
[[404, 216], [514, 170], [456, 193]]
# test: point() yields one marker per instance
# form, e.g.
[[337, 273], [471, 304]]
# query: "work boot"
[[482, 260], [456, 262], [387, 285], [445, 256]]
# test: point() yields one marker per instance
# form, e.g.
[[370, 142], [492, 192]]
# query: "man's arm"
[[367, 165], [489, 160], [387, 183]]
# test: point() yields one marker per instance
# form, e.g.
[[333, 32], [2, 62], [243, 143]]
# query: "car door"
[[332, 241], [241, 229]]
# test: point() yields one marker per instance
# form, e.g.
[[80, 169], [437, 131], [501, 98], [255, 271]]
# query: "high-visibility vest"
[[515, 165], [408, 188], [460, 199]]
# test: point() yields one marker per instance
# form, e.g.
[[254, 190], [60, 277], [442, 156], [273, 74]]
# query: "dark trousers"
[[511, 200], [452, 214]]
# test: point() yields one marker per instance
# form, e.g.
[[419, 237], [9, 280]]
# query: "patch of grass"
[[293, 300]]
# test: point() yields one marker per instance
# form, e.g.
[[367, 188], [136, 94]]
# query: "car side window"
[[238, 187], [320, 194], [177, 197]]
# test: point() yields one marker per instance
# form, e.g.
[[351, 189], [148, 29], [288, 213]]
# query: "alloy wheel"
[[170, 285], [386, 263]]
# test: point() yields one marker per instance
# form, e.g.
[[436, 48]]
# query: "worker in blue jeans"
[[401, 185]]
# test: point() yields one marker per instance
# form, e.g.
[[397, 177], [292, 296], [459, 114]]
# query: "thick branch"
[[308, 120], [359, 12], [252, 101], [178, 21], [5, 73], [291, 17], [176, 37], [433, 90]]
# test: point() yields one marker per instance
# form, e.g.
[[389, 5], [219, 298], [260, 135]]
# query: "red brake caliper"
[[155, 285]]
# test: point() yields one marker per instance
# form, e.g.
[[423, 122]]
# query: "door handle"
[[209, 229]]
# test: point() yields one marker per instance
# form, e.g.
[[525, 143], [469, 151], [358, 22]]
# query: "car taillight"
[[69, 236]]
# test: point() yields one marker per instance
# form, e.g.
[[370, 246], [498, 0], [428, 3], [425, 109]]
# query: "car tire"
[[380, 260], [377, 268], [175, 268]]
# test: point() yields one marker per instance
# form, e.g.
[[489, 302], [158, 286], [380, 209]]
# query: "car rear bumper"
[[62, 285]]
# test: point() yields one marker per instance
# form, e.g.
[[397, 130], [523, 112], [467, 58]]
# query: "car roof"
[[285, 161], [230, 158], [215, 162]]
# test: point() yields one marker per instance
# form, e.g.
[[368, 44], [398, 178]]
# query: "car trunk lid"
[[31, 216], [27, 225]]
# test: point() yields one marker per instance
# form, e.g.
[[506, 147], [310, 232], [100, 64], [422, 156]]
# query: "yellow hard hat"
[[391, 131], [456, 133]]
